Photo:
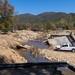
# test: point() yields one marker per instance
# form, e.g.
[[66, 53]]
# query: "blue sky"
[[39, 6]]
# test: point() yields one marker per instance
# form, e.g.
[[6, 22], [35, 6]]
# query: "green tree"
[[6, 15]]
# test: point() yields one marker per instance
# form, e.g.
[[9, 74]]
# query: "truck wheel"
[[73, 50]]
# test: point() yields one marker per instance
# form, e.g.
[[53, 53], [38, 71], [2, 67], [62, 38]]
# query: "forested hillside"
[[45, 21], [9, 20]]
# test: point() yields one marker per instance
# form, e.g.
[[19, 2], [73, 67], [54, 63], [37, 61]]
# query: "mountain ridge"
[[57, 18]]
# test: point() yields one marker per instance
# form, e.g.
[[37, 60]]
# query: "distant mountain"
[[29, 18], [47, 16], [48, 20]]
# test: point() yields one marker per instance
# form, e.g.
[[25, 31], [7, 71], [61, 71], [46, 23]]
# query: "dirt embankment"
[[7, 54], [58, 56], [26, 35], [8, 41]]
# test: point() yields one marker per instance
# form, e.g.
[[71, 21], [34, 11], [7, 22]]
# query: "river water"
[[38, 43]]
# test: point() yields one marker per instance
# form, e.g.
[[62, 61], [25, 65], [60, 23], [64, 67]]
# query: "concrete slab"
[[62, 40]]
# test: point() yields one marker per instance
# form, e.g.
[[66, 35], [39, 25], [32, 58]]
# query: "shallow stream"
[[38, 43]]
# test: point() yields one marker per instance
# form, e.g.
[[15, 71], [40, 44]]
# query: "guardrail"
[[37, 65], [71, 67], [72, 37]]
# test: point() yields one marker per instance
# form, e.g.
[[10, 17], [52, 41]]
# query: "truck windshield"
[[65, 46], [45, 68]]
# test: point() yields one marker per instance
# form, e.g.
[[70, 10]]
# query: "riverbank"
[[9, 41], [58, 56]]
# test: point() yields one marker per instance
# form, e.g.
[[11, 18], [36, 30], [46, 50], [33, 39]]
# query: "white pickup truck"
[[66, 47]]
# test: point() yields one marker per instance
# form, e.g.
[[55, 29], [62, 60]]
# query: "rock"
[[48, 36], [28, 47], [21, 47], [52, 42]]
